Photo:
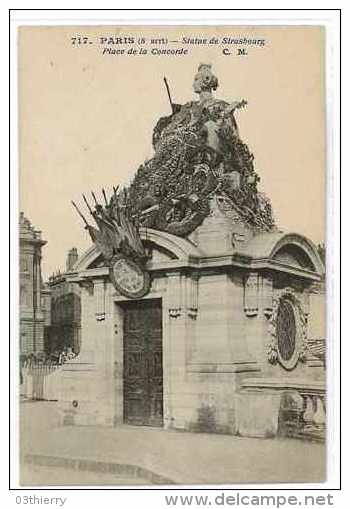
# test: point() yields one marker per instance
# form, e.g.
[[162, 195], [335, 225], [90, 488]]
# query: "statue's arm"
[[236, 105]]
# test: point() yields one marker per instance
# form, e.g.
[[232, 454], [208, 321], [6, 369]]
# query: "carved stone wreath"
[[300, 349]]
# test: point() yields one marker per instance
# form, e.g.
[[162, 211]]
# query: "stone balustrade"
[[313, 417], [301, 412]]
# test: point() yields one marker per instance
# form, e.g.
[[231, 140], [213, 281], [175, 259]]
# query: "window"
[[286, 330]]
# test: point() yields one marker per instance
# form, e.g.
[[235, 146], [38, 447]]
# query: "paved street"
[[35, 475], [180, 457]]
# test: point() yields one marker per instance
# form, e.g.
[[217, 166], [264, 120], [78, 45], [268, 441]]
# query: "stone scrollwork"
[[258, 294], [183, 295], [288, 330], [174, 292], [251, 294], [174, 312], [88, 285], [100, 300], [267, 295], [192, 296]]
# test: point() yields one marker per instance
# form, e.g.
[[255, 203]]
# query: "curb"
[[122, 469]]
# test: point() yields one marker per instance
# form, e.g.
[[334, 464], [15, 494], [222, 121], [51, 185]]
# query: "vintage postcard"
[[172, 255]]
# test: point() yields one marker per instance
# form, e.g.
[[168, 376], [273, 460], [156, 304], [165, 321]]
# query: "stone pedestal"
[[257, 414], [217, 307]]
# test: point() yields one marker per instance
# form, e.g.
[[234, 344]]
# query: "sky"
[[86, 118]]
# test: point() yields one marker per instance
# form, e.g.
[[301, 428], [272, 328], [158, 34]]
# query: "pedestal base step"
[[121, 470]]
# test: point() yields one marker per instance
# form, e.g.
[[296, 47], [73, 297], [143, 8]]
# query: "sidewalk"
[[164, 457]]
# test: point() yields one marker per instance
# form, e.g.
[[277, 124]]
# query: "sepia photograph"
[[172, 255]]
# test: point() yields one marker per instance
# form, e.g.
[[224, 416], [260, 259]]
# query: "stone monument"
[[195, 306]]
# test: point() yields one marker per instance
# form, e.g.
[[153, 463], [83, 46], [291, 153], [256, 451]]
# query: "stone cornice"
[[209, 262], [32, 241], [243, 366], [257, 254], [299, 384]]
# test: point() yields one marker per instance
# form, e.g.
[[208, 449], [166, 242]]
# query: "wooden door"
[[143, 366]]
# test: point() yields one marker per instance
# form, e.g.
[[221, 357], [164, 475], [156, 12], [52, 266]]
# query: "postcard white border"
[[327, 18]]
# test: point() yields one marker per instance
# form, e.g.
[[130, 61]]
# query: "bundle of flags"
[[117, 231]]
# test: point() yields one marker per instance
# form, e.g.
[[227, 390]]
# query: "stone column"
[[258, 293], [191, 297], [100, 299], [212, 328], [242, 306], [118, 369], [174, 351], [105, 348], [87, 389]]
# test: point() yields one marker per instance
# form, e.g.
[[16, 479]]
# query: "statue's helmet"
[[205, 80]]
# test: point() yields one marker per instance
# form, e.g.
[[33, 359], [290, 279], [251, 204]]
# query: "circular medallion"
[[129, 278]]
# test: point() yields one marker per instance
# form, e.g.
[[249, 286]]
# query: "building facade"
[[65, 316], [216, 345], [32, 306]]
